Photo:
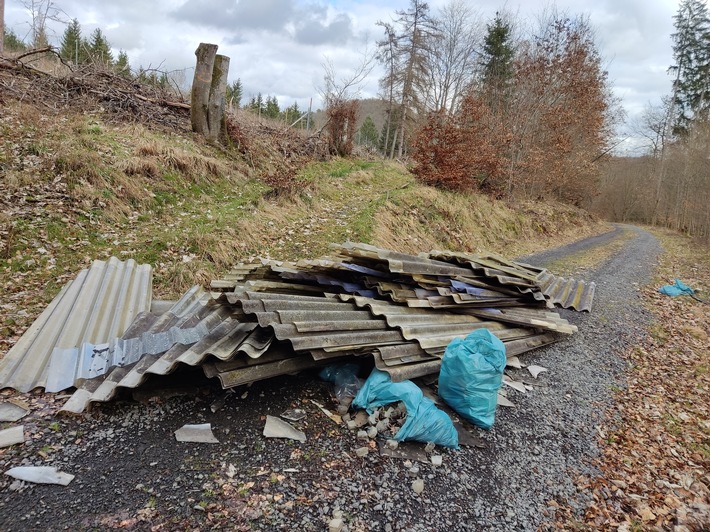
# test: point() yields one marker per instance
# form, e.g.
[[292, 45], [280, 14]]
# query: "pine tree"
[[234, 93], [13, 43], [497, 55], [71, 49], [272, 109], [291, 114], [368, 135], [100, 49], [123, 68], [691, 51]]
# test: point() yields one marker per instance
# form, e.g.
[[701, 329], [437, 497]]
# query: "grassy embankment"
[[79, 188]]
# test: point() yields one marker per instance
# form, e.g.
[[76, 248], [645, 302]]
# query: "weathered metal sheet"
[[226, 335], [402, 310], [96, 307], [565, 293]]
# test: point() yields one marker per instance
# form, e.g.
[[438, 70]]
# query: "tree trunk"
[[2, 27], [201, 84], [218, 89]]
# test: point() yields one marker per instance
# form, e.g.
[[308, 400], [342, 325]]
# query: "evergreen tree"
[[691, 51], [234, 93], [272, 109], [163, 81], [71, 49], [497, 55], [123, 68], [368, 135], [100, 49], [256, 104], [291, 114], [13, 43]]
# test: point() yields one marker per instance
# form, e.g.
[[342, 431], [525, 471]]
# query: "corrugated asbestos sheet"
[[276, 318], [94, 308]]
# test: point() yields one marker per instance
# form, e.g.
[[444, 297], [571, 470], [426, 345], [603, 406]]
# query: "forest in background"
[[496, 106], [670, 184]]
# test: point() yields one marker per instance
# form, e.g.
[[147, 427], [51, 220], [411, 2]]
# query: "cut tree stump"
[[208, 93]]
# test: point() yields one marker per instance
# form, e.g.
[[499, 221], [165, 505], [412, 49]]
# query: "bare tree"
[[340, 98], [451, 62], [418, 34], [388, 56], [40, 12]]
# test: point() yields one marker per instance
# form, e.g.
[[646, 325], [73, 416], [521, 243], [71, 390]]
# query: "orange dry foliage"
[[456, 152], [540, 135], [342, 118]]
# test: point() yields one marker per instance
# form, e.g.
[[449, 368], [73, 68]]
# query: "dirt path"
[[131, 473]]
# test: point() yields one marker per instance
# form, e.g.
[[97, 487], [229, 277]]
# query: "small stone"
[[337, 514], [414, 470], [436, 460], [418, 486], [392, 444], [372, 432], [373, 419], [343, 410], [389, 412], [361, 418], [362, 435], [352, 424], [362, 452], [388, 527], [382, 426], [429, 447]]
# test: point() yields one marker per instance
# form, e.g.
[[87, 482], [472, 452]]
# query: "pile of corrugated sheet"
[[276, 318]]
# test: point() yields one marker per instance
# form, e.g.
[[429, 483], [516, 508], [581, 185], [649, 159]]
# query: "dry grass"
[[427, 218]]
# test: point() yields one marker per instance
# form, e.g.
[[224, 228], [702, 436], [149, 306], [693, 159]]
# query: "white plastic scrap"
[[513, 362], [536, 370], [40, 475], [516, 385], [504, 401], [278, 428], [12, 436], [200, 433]]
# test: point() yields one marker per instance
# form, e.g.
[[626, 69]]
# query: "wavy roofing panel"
[[69, 367], [227, 333], [95, 307], [567, 293]]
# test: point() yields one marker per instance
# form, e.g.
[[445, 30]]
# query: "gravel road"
[[131, 473]]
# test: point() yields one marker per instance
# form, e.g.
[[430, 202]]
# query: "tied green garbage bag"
[[425, 422], [471, 374], [677, 289]]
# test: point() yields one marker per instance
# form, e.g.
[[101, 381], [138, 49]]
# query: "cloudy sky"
[[277, 47]]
